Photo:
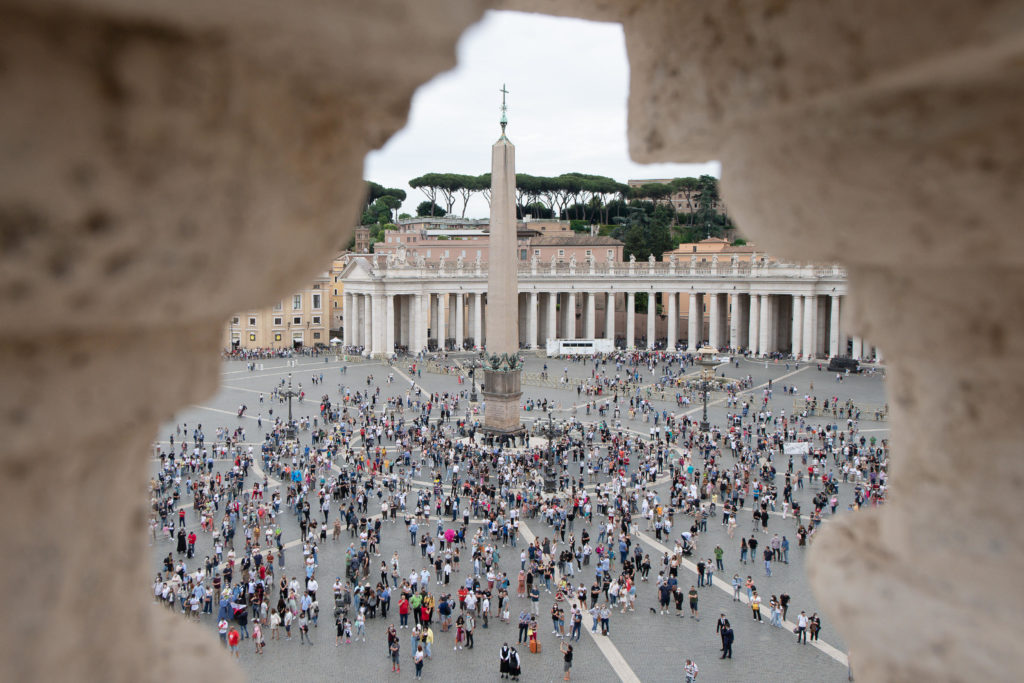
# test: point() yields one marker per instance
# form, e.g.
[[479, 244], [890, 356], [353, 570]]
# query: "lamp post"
[[705, 426], [548, 472], [289, 393]]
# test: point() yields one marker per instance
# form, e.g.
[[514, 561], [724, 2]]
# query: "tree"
[[429, 208], [468, 186], [427, 184], [687, 186]]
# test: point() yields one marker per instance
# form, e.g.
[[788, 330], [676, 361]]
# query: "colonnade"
[[804, 325]]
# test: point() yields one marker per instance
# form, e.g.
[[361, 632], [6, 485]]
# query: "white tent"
[[335, 340]]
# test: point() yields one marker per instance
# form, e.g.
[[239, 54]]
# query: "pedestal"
[[501, 396]]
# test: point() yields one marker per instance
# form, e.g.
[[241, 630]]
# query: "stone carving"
[[632, 258], [572, 261], [460, 263], [505, 362]]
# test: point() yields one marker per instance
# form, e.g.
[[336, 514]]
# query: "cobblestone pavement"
[[651, 647]]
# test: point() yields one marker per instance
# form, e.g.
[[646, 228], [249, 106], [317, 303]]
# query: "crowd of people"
[[491, 540]]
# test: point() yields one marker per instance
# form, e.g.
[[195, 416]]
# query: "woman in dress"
[[503, 660], [514, 664]]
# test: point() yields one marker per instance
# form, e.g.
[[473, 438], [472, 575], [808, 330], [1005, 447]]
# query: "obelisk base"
[[501, 396]]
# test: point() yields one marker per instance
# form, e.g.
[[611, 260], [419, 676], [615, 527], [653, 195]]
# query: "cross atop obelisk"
[[504, 109]]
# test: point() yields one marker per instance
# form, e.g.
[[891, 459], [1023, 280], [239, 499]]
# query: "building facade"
[[762, 306], [302, 319]]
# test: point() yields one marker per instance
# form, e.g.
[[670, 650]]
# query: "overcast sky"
[[568, 83]]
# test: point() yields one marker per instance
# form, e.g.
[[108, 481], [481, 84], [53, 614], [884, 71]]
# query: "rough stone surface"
[[886, 136], [164, 164], [167, 163]]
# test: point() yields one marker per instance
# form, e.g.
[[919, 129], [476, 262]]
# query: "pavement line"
[[604, 644], [830, 650]]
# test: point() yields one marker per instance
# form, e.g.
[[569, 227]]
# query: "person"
[[233, 639], [257, 636], [727, 639], [801, 628], [504, 658], [393, 649], [418, 660], [693, 603], [755, 606], [567, 653], [814, 625], [515, 666], [691, 670]]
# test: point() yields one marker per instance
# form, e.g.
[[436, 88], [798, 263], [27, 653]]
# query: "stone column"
[[405, 320], [693, 323], [715, 322], [754, 325], [389, 324], [552, 331], [857, 348], [734, 322], [419, 330], [630, 320], [570, 315], [346, 312], [609, 316], [436, 324], [835, 333], [652, 318], [478, 320], [673, 321], [798, 326], [531, 320], [764, 342], [460, 320], [810, 325], [591, 315]]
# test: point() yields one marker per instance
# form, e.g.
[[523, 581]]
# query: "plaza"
[[642, 645]]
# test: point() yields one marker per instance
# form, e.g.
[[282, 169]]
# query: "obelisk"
[[501, 368]]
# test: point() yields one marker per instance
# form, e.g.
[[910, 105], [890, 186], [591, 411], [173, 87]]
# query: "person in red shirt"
[[233, 638], [403, 612]]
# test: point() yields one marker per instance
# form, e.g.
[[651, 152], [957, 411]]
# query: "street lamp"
[[706, 358], [289, 393], [548, 472]]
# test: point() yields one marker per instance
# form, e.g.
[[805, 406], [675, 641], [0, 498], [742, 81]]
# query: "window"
[[561, 253], [297, 302], [536, 252], [447, 254], [297, 320], [611, 254], [478, 253], [316, 320], [463, 253], [234, 321], [279, 305], [316, 335], [277, 321], [428, 253], [252, 337], [589, 252], [252, 322], [522, 254], [277, 336], [316, 286], [316, 301]]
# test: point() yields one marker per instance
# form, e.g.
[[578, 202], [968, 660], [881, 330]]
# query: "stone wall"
[[166, 163]]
